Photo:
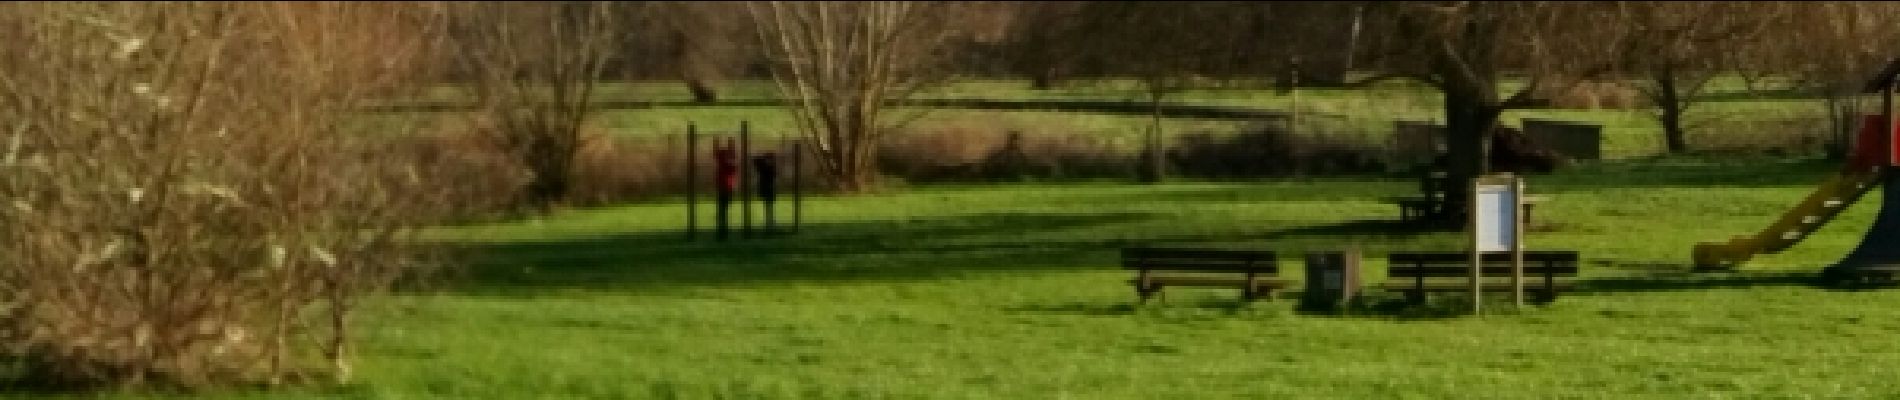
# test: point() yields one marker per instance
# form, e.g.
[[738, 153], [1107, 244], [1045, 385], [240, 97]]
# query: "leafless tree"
[[1831, 48], [841, 65], [536, 67], [698, 43], [186, 192], [1677, 47]]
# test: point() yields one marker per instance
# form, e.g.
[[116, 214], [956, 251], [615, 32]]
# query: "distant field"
[[1371, 111], [1012, 291]]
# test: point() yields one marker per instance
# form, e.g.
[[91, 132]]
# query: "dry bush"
[[608, 168], [954, 153], [1078, 156], [187, 205], [474, 178], [1777, 137], [1271, 151], [1596, 95], [975, 153], [535, 67]]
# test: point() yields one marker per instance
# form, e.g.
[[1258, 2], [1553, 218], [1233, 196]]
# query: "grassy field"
[[1369, 112], [1013, 292]]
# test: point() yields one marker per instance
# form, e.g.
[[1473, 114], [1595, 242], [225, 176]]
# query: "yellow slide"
[[1827, 201]]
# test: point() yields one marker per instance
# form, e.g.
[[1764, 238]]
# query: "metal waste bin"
[[1332, 279]]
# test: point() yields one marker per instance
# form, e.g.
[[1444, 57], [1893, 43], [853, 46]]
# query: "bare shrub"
[[611, 169], [1595, 95], [1805, 135], [954, 153], [843, 63], [186, 202], [973, 152], [1271, 151], [536, 66], [473, 177]]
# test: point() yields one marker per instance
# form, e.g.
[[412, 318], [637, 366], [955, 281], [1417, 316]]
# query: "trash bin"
[[1332, 280]]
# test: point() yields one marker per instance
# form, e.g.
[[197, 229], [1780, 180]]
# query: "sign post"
[[1497, 226]]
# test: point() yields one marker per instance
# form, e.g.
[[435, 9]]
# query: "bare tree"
[[843, 64], [1042, 41], [1831, 48], [698, 43], [1169, 47], [536, 67], [187, 193], [1677, 47]]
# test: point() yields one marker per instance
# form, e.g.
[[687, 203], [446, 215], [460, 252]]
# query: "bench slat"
[[1265, 267], [1464, 286], [1441, 270], [1211, 281], [1455, 258], [1213, 254]]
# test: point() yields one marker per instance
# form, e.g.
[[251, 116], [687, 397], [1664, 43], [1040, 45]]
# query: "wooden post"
[[1477, 254], [1517, 241], [745, 181], [692, 175]]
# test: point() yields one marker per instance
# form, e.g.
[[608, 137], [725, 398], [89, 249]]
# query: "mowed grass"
[[984, 292]]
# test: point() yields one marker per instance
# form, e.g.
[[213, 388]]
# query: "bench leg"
[[1545, 297], [1415, 296], [1152, 292]]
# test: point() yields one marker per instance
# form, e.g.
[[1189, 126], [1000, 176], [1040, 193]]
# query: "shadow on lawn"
[[1680, 279], [875, 250], [1678, 172]]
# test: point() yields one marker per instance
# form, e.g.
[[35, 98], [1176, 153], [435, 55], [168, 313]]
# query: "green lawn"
[[986, 292]]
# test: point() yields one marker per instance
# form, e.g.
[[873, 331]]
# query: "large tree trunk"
[[1468, 78], [1470, 121], [703, 92], [1674, 136], [1670, 107]]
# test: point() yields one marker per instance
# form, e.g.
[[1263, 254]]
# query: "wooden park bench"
[[1546, 273], [1254, 272], [1432, 189]]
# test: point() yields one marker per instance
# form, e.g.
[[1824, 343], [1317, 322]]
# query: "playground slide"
[[1827, 201]]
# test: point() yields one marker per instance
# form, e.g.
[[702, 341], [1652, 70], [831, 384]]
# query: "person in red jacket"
[[726, 160]]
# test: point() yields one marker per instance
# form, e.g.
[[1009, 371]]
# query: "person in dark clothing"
[[726, 160], [765, 172]]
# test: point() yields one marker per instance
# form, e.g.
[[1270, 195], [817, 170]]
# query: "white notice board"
[[1496, 224]]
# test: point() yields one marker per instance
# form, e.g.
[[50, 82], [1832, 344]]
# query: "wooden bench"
[[1255, 272], [1431, 188], [1546, 273]]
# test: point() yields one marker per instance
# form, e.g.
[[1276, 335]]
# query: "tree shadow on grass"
[[1201, 305], [1686, 173], [1380, 307], [1687, 281], [873, 250], [1379, 228]]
